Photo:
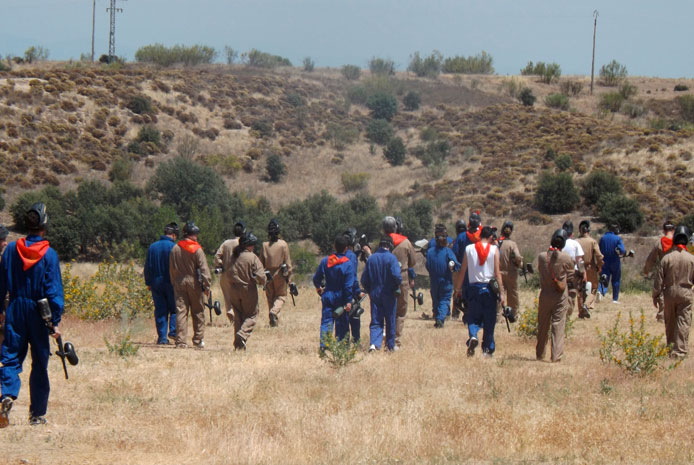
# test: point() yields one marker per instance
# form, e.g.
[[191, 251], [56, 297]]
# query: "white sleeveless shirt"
[[477, 273]]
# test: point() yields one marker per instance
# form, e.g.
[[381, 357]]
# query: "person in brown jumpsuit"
[[660, 249], [222, 264], [510, 259], [405, 253], [3, 243], [593, 261], [674, 280], [275, 259], [555, 268], [190, 277], [246, 272]]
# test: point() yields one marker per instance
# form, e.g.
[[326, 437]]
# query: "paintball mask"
[[190, 229], [36, 217]]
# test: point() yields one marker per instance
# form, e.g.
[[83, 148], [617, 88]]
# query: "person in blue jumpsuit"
[[612, 248], [354, 323], [158, 281], [334, 282], [440, 264], [29, 271], [381, 280]]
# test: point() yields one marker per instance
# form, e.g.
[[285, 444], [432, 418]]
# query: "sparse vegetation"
[[379, 131], [559, 101], [178, 54], [309, 64], [231, 55], [354, 181], [548, 72], [570, 87], [426, 67], [257, 59], [35, 53], [686, 104], [481, 63], [411, 101], [351, 72], [382, 66], [612, 74]]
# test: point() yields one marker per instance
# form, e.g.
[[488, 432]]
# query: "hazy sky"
[[651, 38]]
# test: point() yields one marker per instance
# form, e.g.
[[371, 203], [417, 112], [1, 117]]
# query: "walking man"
[[275, 259], [660, 249], [357, 294], [441, 263], [405, 254], [578, 278], [222, 264], [4, 304], [612, 248], [510, 259], [158, 281], [593, 261]]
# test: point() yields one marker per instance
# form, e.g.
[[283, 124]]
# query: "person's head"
[[559, 239], [36, 219], [239, 228], [668, 228], [507, 229], [681, 236], [351, 236], [386, 242], [460, 227], [190, 230], [399, 225], [171, 230], [389, 225], [246, 242], [3, 236], [613, 227], [273, 230], [340, 244], [584, 227], [568, 226], [486, 233], [474, 221], [441, 235]]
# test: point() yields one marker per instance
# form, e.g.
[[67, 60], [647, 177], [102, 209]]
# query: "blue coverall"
[[381, 278], [354, 323], [23, 324], [458, 248], [432, 242], [612, 266], [157, 278], [441, 279], [337, 272]]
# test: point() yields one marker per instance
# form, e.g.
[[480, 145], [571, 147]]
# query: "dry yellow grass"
[[428, 403]]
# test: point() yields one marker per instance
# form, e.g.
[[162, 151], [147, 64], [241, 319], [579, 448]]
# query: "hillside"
[[61, 123]]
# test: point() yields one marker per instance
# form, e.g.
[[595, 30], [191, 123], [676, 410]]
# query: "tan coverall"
[[510, 259], [405, 254], [188, 291], [653, 260], [222, 259], [674, 279], [553, 304], [593, 261], [273, 255], [246, 271]]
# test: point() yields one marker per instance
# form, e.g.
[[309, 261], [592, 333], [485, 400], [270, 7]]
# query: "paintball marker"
[[293, 291], [603, 280], [359, 247], [507, 311], [268, 278], [525, 270], [65, 351], [216, 306], [218, 270], [357, 310], [629, 253], [508, 316], [417, 297]]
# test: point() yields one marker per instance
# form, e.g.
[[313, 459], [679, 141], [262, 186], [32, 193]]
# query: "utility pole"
[[112, 31], [93, 22], [592, 65]]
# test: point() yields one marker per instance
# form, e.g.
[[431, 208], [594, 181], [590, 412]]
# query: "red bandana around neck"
[[482, 251], [681, 247], [666, 243], [335, 260], [397, 239], [189, 245], [31, 254], [474, 237]]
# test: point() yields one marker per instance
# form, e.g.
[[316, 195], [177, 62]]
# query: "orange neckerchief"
[[474, 237], [482, 252], [666, 243], [335, 260], [397, 239], [31, 254], [681, 247], [189, 245]]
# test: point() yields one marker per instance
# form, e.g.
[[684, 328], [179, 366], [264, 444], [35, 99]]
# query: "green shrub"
[[428, 134], [395, 151], [35, 53], [533, 69], [295, 99], [351, 72], [511, 86], [681, 88], [228, 165], [122, 345], [275, 169], [526, 97], [570, 87], [121, 170], [357, 95], [309, 64], [598, 183], [528, 323], [552, 73], [4, 67], [262, 127], [2, 203], [149, 134], [433, 153], [139, 104], [628, 90], [426, 67], [257, 59], [411, 101], [382, 106], [341, 136], [338, 354], [620, 209], [632, 109], [355, 181], [168, 56], [379, 131], [481, 63], [560, 101], [556, 193], [564, 162], [230, 54], [303, 260], [686, 103], [382, 66], [612, 74], [611, 101]]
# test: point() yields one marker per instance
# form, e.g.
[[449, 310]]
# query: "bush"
[[628, 90], [357, 95], [35, 53], [230, 54], [354, 181], [395, 151], [478, 64], [262, 127], [686, 103], [351, 72], [681, 88], [563, 162], [303, 261], [228, 165], [526, 97], [547, 72], [309, 64], [632, 109], [411, 101], [528, 324], [178, 54], [560, 101], [636, 350], [257, 59], [379, 131], [597, 184], [611, 101], [122, 345], [426, 67], [620, 209], [533, 69], [338, 353], [382, 106], [121, 170], [556, 193], [149, 134], [571, 87], [612, 74], [139, 104], [341, 136], [433, 153], [275, 168], [382, 66], [511, 86]]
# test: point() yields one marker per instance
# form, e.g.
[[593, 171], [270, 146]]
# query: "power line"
[[112, 30], [592, 65]]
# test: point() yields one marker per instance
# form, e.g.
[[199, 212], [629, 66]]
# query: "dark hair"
[[340, 244], [486, 232], [668, 226], [568, 226], [386, 243], [237, 251], [440, 230]]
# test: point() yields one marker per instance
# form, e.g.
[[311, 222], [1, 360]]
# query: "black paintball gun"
[[268, 278], [359, 247], [523, 270], [357, 309], [417, 297], [293, 291], [627, 254], [507, 312], [216, 306], [65, 351]]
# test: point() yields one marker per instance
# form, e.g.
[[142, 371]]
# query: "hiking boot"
[[372, 348], [199, 345], [471, 345], [438, 324], [487, 354], [5, 412], [273, 320], [239, 344], [37, 420]]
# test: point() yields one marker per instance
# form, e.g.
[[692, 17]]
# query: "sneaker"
[[471, 345], [239, 344], [372, 348], [273, 320], [616, 302], [34, 420], [5, 412], [438, 324], [487, 354], [396, 348], [199, 345]]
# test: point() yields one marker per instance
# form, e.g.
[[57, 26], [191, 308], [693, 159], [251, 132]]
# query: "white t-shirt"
[[573, 248], [475, 272]]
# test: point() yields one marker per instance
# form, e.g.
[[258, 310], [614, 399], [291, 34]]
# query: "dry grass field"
[[428, 403]]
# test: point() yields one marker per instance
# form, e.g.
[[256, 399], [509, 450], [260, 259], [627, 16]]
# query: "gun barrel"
[[61, 353]]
